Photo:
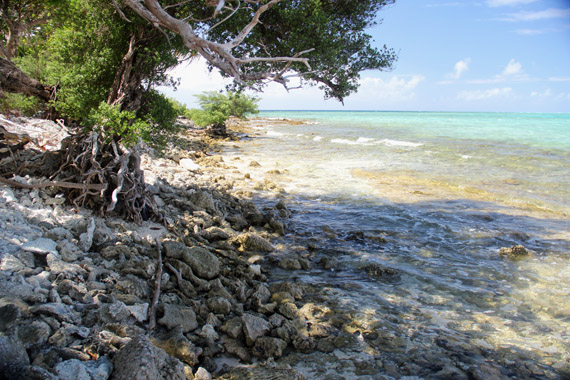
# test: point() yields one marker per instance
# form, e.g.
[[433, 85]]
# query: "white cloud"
[[194, 76], [510, 3], [512, 68], [531, 32], [481, 95], [550, 13], [396, 88], [459, 68], [544, 94], [559, 79]]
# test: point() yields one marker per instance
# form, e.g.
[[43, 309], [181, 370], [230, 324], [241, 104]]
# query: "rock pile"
[[76, 290]]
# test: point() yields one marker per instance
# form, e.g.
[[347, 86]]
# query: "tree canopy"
[[255, 41]]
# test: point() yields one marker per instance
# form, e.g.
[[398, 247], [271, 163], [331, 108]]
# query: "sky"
[[480, 56]]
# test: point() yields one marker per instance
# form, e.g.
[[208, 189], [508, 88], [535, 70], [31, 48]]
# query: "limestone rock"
[[204, 264], [14, 360], [177, 345], [141, 360], [202, 374], [41, 245], [262, 372], [267, 347], [253, 243], [254, 327], [175, 315], [188, 164]]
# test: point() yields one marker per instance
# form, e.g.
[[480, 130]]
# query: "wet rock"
[[487, 371], [174, 315], [14, 360], [304, 344], [515, 252], [141, 360], [267, 347], [380, 272], [253, 243], [289, 263], [254, 327], [41, 246]]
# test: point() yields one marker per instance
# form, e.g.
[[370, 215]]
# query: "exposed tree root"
[[97, 173]]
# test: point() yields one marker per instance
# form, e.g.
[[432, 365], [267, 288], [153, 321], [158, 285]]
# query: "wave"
[[371, 141], [389, 142]]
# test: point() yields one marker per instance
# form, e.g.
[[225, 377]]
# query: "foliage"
[[161, 113], [333, 30], [218, 107], [114, 123], [19, 104]]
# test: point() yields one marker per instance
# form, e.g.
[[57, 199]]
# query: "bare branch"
[[225, 19], [254, 21], [219, 55]]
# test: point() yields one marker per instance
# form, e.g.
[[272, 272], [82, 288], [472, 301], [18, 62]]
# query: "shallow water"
[[434, 196]]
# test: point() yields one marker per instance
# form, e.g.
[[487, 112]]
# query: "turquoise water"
[[433, 197]]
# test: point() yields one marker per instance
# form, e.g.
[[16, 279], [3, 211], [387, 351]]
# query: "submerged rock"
[[515, 252]]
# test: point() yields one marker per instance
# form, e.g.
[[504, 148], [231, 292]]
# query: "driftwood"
[[156, 295]]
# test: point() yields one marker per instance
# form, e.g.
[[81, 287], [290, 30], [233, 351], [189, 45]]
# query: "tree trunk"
[[12, 79]]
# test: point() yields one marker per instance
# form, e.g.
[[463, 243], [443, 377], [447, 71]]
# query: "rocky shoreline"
[[76, 289]]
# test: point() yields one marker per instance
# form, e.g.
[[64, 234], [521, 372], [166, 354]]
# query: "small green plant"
[[19, 105], [123, 126], [218, 107]]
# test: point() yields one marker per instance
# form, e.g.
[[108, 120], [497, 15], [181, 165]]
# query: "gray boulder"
[[141, 360], [203, 263], [254, 327], [14, 360]]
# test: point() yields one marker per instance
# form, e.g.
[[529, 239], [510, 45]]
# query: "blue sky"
[[487, 55]]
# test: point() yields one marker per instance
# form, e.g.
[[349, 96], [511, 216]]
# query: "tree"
[[217, 108], [255, 41], [100, 59]]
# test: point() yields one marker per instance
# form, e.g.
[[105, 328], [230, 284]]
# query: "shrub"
[[218, 107]]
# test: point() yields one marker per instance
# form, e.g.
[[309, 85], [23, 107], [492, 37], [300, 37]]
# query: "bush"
[[123, 126], [19, 105], [218, 107]]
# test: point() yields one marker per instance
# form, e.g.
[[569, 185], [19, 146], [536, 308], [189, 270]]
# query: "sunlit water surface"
[[434, 196]]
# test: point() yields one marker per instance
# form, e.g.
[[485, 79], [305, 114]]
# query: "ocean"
[[412, 209]]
